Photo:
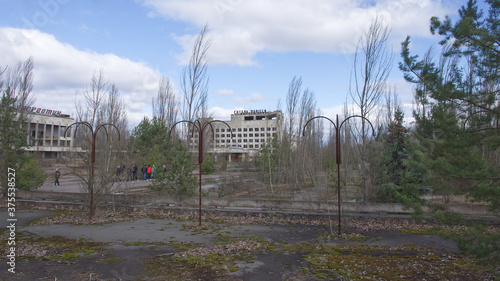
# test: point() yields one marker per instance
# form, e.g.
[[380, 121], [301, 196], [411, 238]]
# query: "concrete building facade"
[[46, 132], [250, 131]]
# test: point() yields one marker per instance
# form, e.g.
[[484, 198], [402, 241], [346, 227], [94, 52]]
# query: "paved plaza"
[[152, 248]]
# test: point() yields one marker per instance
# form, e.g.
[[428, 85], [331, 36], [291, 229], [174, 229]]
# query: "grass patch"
[[53, 248], [205, 267], [384, 263], [181, 246], [112, 260]]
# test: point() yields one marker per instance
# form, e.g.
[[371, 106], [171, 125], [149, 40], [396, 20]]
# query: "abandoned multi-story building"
[[46, 132], [249, 131]]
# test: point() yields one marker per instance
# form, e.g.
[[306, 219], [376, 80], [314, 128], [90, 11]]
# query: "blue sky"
[[258, 47]]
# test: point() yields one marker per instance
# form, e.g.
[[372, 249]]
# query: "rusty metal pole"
[[338, 160], [200, 161], [92, 157], [201, 129], [92, 170]]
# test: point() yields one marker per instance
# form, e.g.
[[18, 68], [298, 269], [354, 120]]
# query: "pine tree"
[[458, 130], [401, 174], [396, 154], [13, 144]]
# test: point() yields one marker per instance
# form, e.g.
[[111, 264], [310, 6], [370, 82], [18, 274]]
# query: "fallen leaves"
[[244, 245]]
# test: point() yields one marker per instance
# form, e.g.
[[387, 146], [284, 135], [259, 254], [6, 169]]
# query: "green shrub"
[[208, 165]]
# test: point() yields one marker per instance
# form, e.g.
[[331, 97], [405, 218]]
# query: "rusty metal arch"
[[201, 128]]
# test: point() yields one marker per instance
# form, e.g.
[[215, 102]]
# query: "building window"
[[262, 129], [239, 129], [245, 135], [245, 129], [250, 146], [250, 135], [250, 129]]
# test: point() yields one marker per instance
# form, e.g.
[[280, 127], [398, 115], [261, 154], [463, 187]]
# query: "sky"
[[257, 47]]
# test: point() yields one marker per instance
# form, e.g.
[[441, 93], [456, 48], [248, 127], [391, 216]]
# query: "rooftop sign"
[[258, 111], [38, 110]]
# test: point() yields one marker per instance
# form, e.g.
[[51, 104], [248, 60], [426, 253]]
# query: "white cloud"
[[240, 29], [219, 113], [255, 97], [331, 112], [225, 92], [62, 72]]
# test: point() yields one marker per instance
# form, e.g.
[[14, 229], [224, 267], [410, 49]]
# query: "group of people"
[[131, 172], [147, 172]]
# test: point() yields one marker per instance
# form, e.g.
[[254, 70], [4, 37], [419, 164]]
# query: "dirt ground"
[[165, 248]]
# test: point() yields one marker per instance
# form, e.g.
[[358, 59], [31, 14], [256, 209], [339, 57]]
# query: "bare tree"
[[165, 104], [292, 103], [371, 68], [309, 148], [194, 83], [93, 99], [297, 155], [194, 78], [20, 82], [102, 106]]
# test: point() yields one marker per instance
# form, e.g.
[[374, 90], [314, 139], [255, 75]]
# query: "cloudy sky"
[[257, 46]]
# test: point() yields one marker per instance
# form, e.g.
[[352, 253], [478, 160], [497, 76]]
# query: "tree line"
[[451, 148]]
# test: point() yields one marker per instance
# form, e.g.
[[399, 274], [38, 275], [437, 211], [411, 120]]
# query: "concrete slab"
[[122, 258]]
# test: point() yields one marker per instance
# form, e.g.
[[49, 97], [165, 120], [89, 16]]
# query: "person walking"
[[57, 176], [134, 173], [118, 171], [129, 174], [144, 171]]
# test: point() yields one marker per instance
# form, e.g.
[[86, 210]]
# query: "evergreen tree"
[[150, 142], [13, 144], [396, 154], [402, 175], [458, 129], [181, 181]]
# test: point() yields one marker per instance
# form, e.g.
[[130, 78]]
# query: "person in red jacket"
[[149, 172]]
